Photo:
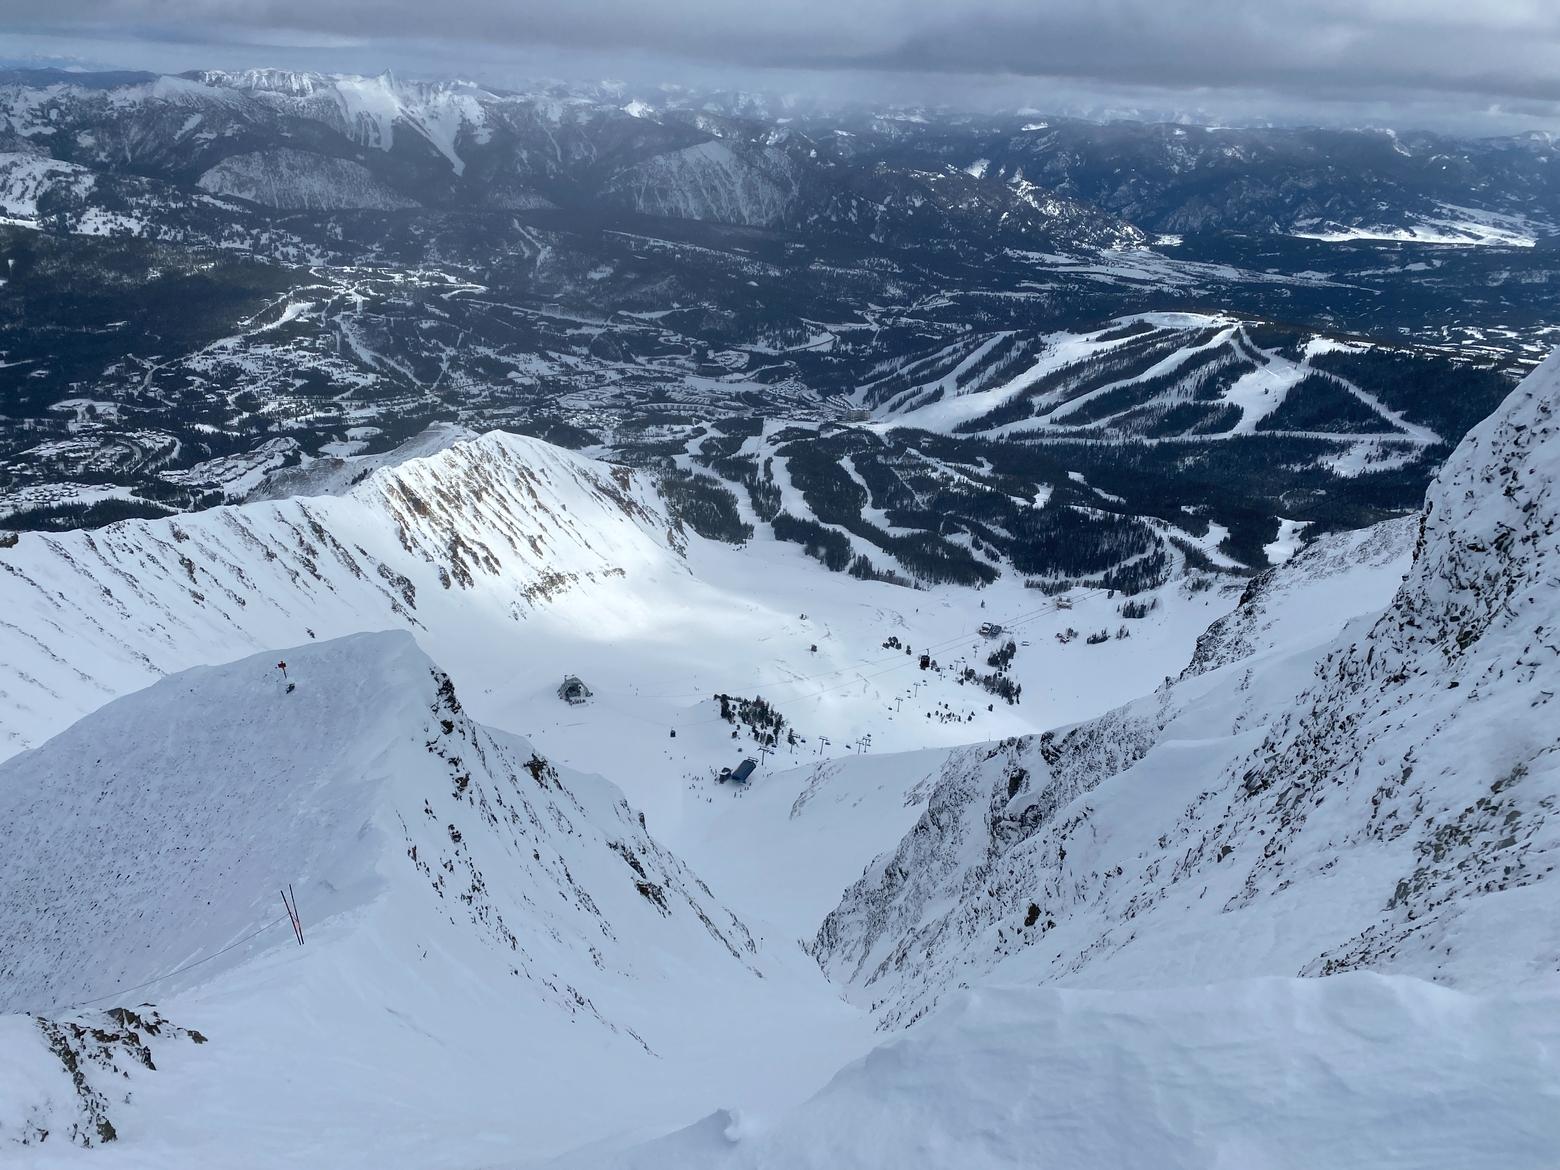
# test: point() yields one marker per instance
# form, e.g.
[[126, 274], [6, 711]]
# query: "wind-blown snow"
[[1363, 1071], [834, 812]]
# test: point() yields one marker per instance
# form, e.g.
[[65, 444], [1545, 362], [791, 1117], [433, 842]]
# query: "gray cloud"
[[1495, 57]]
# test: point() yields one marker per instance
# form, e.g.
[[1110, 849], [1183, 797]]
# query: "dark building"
[[573, 691], [739, 774]]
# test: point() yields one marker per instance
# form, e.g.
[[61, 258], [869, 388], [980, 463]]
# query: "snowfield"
[[25, 178], [1360, 1070], [1456, 226], [1288, 908]]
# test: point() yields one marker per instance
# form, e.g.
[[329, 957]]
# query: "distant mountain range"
[[381, 142], [1192, 340]]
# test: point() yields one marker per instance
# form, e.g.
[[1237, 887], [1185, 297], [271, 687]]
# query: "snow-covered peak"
[[294, 83], [370, 109], [337, 475]]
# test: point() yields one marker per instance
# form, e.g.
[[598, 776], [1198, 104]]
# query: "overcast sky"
[[1459, 64]]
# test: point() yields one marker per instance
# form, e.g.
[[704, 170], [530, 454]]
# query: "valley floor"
[[745, 624]]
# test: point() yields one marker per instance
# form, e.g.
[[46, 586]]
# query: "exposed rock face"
[[81, 1068], [1252, 624], [1386, 801], [1437, 731], [711, 181], [297, 180]]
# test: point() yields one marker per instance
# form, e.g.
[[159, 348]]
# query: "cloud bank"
[[1498, 57]]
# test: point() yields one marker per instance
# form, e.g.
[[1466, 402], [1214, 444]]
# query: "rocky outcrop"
[[1384, 800]]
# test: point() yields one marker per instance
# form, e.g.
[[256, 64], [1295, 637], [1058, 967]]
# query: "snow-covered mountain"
[[367, 111], [516, 563], [293, 180], [1333, 185], [713, 181], [709, 157], [1294, 894], [383, 143], [1288, 910], [488, 935], [697, 595]]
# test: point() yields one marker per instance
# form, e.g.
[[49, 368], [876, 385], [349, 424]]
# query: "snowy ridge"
[[500, 522], [368, 110], [479, 923], [1283, 808], [1459, 797], [364, 779]]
